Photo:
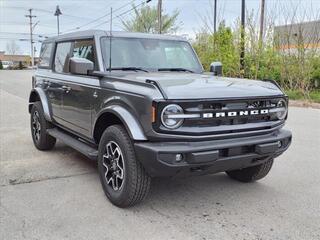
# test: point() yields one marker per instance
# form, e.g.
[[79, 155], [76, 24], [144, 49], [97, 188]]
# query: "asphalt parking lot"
[[57, 194]]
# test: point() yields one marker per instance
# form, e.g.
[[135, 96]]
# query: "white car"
[[7, 64]]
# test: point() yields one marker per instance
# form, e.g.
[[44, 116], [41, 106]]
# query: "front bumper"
[[204, 157]]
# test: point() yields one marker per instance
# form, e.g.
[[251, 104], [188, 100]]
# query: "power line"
[[134, 7], [108, 14], [40, 10], [99, 18], [88, 23], [12, 38], [20, 39], [24, 23], [121, 14], [15, 33]]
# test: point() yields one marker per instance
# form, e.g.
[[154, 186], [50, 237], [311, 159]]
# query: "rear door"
[[44, 77], [80, 91]]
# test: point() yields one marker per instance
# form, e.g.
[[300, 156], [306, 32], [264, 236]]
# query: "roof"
[[296, 35], [100, 33], [314, 23]]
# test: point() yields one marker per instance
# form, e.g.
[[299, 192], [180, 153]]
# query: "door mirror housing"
[[216, 68], [80, 65]]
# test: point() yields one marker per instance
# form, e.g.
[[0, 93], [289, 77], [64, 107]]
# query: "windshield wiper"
[[129, 69], [175, 70]]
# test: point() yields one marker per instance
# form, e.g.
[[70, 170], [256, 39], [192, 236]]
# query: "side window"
[[45, 54], [61, 60], [84, 49]]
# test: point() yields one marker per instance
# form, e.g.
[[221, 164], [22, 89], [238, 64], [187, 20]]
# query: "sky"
[[14, 26]]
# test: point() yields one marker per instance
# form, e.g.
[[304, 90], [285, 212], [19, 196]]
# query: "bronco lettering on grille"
[[236, 113]]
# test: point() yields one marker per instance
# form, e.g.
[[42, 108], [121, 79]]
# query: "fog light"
[[178, 157], [279, 144]]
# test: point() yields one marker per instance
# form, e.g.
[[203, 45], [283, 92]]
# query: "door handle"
[[66, 89]]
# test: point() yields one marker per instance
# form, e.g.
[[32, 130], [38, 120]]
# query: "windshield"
[[150, 54]]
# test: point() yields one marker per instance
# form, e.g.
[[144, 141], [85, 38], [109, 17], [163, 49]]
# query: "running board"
[[75, 143]]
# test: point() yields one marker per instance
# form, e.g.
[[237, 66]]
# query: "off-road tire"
[[136, 182], [43, 141], [251, 174]]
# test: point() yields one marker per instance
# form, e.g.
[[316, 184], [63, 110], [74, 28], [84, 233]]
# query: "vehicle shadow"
[[188, 192], [69, 154], [215, 190]]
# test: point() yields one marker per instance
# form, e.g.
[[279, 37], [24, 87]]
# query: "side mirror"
[[80, 65], [216, 68]]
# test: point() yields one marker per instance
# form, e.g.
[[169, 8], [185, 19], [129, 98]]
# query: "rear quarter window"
[[45, 55]]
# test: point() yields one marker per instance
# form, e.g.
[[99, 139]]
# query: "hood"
[[202, 86]]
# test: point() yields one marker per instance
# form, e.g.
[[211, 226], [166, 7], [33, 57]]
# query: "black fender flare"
[[38, 93], [131, 124]]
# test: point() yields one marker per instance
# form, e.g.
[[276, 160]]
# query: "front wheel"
[[251, 174], [123, 178]]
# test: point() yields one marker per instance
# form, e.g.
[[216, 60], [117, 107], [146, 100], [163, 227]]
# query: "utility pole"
[[261, 22], [30, 16], [242, 40], [34, 50], [57, 14], [110, 45], [160, 15], [215, 16]]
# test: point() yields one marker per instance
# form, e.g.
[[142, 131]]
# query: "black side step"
[[75, 143]]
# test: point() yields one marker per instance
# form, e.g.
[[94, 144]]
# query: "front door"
[[77, 103], [80, 92]]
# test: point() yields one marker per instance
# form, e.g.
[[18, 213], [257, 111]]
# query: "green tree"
[[219, 46], [145, 20], [1, 66]]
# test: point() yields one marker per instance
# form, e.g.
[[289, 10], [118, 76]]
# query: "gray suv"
[[142, 106]]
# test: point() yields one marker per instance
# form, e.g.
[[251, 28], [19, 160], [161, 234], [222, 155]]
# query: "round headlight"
[[282, 109], [168, 116]]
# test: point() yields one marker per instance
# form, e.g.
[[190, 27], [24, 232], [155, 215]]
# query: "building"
[[304, 35], [14, 60]]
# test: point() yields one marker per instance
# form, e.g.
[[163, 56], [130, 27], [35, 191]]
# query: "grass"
[[314, 96]]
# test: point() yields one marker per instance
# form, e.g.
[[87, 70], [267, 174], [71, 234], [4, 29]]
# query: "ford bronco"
[[143, 107]]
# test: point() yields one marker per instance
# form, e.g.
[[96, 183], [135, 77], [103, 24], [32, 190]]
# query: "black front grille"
[[230, 106], [227, 124]]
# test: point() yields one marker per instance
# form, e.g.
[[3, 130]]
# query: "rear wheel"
[[251, 174], [39, 126], [123, 178]]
